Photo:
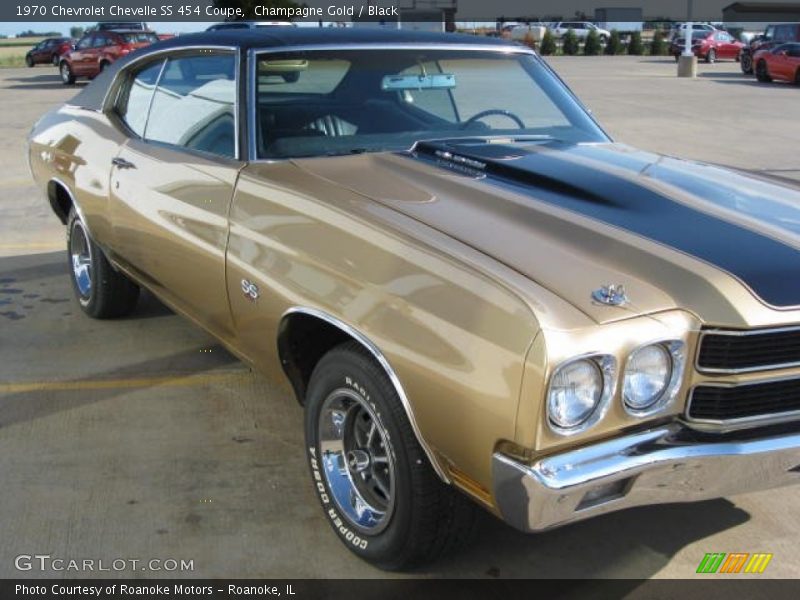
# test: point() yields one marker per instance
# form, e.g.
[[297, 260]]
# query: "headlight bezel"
[[675, 350], [607, 367]]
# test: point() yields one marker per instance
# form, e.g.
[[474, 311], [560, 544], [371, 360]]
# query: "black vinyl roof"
[[92, 95]]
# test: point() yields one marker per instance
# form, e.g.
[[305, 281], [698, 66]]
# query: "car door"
[[82, 55], [173, 180]]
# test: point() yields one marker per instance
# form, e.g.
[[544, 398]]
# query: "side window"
[[99, 41], [194, 104], [85, 43], [783, 33], [794, 50], [136, 97]]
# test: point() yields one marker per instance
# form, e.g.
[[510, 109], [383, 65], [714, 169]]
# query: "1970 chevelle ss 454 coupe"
[[477, 296]]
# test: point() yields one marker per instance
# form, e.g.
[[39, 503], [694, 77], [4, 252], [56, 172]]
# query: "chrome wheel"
[[66, 74], [80, 251], [357, 460]]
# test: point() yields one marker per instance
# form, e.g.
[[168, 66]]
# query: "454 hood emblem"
[[250, 290]]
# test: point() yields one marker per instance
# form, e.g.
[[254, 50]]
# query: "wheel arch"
[[304, 336], [61, 200]]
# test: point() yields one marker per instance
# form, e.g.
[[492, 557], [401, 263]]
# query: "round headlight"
[[647, 376], [575, 390]]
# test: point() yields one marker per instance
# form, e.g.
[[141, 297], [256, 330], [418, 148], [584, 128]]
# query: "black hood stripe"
[[767, 266]]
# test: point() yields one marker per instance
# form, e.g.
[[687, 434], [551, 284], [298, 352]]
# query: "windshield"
[[321, 103]]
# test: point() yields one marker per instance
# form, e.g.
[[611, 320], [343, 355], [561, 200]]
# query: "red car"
[[710, 46], [48, 51], [782, 62], [98, 49]]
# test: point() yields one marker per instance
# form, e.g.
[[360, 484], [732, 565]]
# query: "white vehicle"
[[581, 29], [679, 29]]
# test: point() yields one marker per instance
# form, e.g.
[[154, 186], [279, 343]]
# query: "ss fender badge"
[[250, 290]]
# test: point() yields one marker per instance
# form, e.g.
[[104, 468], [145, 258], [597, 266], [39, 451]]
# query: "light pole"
[[687, 61]]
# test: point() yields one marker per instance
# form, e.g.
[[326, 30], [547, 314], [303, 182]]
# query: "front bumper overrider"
[[666, 464]]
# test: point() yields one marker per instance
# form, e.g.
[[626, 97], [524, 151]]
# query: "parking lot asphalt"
[[141, 438]]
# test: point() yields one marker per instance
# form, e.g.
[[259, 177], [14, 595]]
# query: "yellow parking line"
[[27, 246], [104, 384], [19, 182]]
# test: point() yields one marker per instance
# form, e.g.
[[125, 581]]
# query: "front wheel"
[[102, 292], [374, 481], [29, 61], [746, 64], [67, 76], [711, 57], [55, 59]]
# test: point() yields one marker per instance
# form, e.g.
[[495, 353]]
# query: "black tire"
[[422, 517], [67, 76], [677, 58], [762, 73], [29, 61], [797, 77], [711, 57], [54, 60], [101, 291], [103, 65], [746, 63]]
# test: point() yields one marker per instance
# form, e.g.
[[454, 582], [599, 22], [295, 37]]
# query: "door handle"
[[122, 163]]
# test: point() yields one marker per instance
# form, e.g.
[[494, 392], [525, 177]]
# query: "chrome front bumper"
[[668, 464]]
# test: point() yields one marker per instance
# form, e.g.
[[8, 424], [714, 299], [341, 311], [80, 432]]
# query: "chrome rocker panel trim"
[[656, 466]]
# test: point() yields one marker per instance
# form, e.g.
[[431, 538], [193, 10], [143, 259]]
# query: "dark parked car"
[[48, 51], [773, 36], [781, 62], [97, 50], [709, 45]]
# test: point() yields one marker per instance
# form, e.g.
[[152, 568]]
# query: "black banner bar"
[[749, 11], [713, 586]]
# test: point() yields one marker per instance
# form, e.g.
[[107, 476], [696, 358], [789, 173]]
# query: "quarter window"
[[194, 103], [133, 109], [84, 43]]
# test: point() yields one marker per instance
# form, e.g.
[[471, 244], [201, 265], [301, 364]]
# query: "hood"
[[572, 218]]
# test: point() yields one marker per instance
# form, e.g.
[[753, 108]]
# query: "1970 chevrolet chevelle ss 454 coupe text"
[[478, 297]]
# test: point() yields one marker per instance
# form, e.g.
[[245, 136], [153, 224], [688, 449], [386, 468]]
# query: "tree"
[[635, 46], [75, 32], [614, 45], [548, 45], [569, 44], [249, 6], [592, 45], [658, 47]]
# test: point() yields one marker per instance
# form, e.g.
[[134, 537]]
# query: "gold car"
[[478, 297]]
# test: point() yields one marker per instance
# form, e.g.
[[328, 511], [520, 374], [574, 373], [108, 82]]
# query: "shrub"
[[592, 46], [614, 45], [548, 45], [569, 44], [635, 46], [658, 47]]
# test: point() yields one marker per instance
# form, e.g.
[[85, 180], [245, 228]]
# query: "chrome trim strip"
[[656, 466], [746, 333], [253, 86], [722, 425], [384, 363]]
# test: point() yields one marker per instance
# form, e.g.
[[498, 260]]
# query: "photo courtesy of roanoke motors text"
[[410, 298]]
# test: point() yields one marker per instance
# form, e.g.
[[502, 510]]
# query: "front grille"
[[714, 403], [749, 351]]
